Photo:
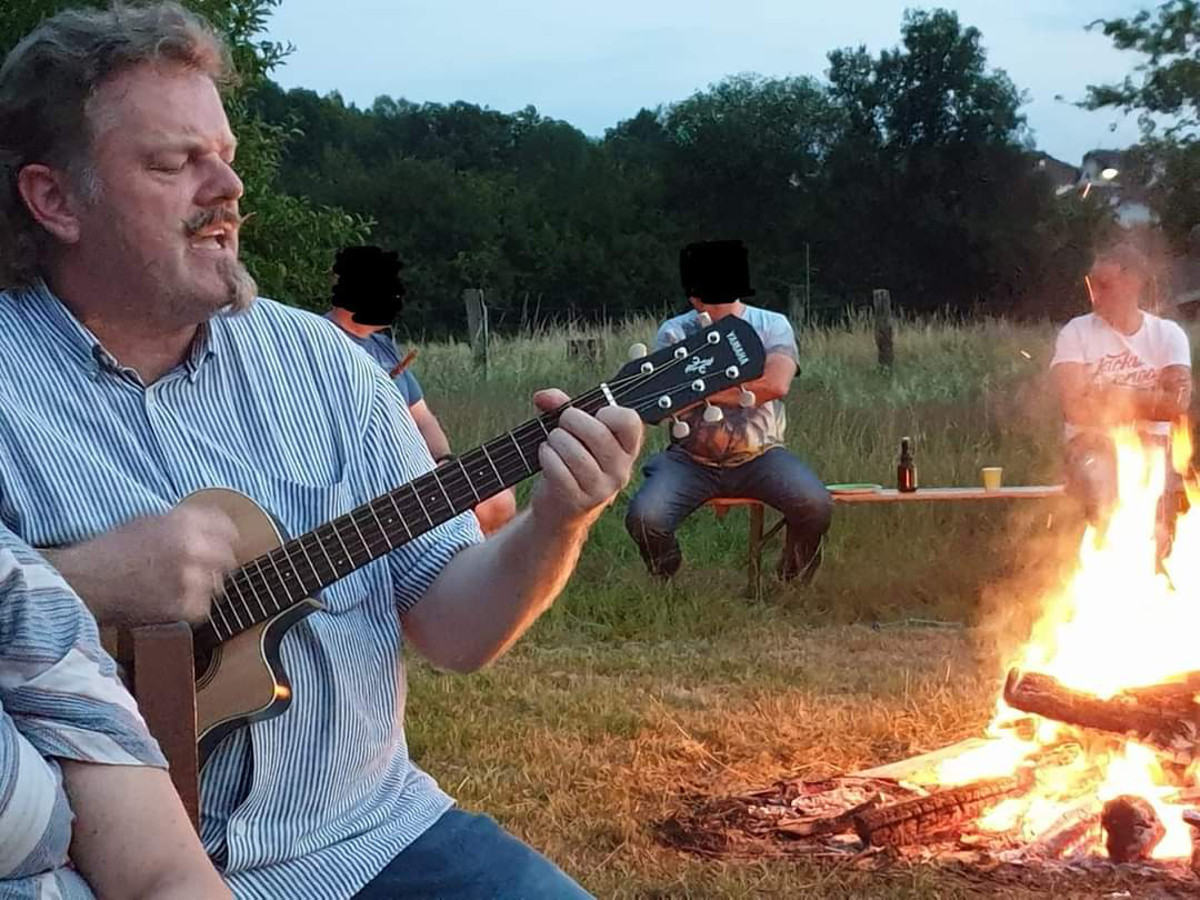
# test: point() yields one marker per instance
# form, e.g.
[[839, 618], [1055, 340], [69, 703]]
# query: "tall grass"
[[630, 694], [969, 395]]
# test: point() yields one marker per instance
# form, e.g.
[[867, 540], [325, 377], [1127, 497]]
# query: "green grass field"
[[628, 694]]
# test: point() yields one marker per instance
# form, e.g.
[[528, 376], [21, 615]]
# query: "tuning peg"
[[680, 430], [705, 320], [638, 350], [712, 414], [746, 398]]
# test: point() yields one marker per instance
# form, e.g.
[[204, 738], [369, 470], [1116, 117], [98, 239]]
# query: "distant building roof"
[[1062, 175], [1105, 159]]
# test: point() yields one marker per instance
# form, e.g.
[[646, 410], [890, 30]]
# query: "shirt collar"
[[85, 347]]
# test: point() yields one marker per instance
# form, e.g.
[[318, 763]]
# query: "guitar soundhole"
[[204, 659]]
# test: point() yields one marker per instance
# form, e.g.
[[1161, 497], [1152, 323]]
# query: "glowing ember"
[[1120, 621]]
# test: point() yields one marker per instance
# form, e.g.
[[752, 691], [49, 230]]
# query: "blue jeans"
[[676, 486], [465, 856]]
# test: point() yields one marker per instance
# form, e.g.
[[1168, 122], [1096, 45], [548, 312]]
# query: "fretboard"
[[301, 567]]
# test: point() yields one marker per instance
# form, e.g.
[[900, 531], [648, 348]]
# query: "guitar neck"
[[656, 385], [303, 566]]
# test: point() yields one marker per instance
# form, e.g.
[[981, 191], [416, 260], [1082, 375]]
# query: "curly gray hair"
[[46, 85]]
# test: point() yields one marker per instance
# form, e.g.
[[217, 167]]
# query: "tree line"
[[912, 169]]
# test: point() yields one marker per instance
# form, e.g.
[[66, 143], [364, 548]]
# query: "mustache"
[[220, 215]]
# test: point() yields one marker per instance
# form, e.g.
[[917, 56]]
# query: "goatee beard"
[[240, 286]]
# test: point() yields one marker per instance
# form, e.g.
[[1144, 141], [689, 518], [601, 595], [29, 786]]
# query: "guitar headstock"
[[720, 356]]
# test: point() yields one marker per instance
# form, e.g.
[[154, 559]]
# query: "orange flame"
[[1181, 446], [1118, 622]]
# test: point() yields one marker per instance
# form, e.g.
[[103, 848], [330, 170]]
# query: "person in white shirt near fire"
[[1118, 365]]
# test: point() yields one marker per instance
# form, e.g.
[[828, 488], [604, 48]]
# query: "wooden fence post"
[[882, 301], [477, 326], [796, 307]]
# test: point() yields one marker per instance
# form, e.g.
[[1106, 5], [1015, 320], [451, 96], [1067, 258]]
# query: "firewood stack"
[[912, 821], [1165, 716]]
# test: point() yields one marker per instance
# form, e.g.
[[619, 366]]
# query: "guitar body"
[[239, 673], [242, 680]]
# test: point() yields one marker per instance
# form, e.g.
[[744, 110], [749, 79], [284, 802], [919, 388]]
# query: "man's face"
[[1115, 290], [164, 226]]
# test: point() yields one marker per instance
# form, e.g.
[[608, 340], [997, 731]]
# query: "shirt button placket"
[[159, 421]]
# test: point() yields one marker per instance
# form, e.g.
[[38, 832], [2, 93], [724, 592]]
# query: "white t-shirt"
[[1123, 360], [743, 433]]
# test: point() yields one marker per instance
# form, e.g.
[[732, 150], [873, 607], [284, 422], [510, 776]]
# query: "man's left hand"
[[585, 461]]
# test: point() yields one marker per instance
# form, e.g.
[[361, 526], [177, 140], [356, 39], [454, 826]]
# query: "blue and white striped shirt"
[[59, 699], [276, 404]]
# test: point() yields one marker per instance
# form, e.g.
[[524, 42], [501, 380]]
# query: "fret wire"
[[470, 483], [379, 523], [296, 572], [449, 502], [338, 534], [267, 584], [233, 609], [242, 596], [361, 539], [496, 461], [511, 467], [412, 486], [521, 452], [392, 499], [282, 582], [488, 456], [213, 623], [317, 575], [321, 543]]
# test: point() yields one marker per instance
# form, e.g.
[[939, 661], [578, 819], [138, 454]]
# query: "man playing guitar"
[[138, 367]]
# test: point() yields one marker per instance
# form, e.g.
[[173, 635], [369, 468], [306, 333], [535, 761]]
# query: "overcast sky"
[[596, 63]]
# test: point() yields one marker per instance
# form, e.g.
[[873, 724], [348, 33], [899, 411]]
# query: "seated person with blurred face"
[[1117, 365], [73, 747], [138, 366], [367, 298], [733, 448]]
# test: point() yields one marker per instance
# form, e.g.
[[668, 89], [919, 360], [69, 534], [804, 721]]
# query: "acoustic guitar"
[[239, 675]]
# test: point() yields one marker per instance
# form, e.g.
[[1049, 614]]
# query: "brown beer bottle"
[[906, 470]]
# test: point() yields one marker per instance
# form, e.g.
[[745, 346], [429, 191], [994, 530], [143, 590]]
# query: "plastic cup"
[[992, 477]]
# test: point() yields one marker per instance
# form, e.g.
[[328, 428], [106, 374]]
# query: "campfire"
[[1093, 755], [1099, 717]]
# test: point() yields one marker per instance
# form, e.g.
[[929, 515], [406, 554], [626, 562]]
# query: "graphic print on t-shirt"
[[1112, 358], [1125, 369]]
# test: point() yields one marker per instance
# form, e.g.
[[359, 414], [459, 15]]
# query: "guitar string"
[[363, 515], [229, 612], [359, 516], [372, 551]]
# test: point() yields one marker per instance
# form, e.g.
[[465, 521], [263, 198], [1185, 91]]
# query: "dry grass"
[[579, 749], [629, 695]]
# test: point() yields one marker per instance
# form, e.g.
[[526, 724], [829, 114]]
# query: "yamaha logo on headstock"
[[738, 351]]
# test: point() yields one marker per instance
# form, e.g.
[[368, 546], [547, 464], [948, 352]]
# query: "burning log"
[[1132, 827], [1179, 691], [1192, 817], [1173, 728], [910, 821], [1067, 833]]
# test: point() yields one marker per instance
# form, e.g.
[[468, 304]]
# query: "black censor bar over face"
[[369, 284]]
